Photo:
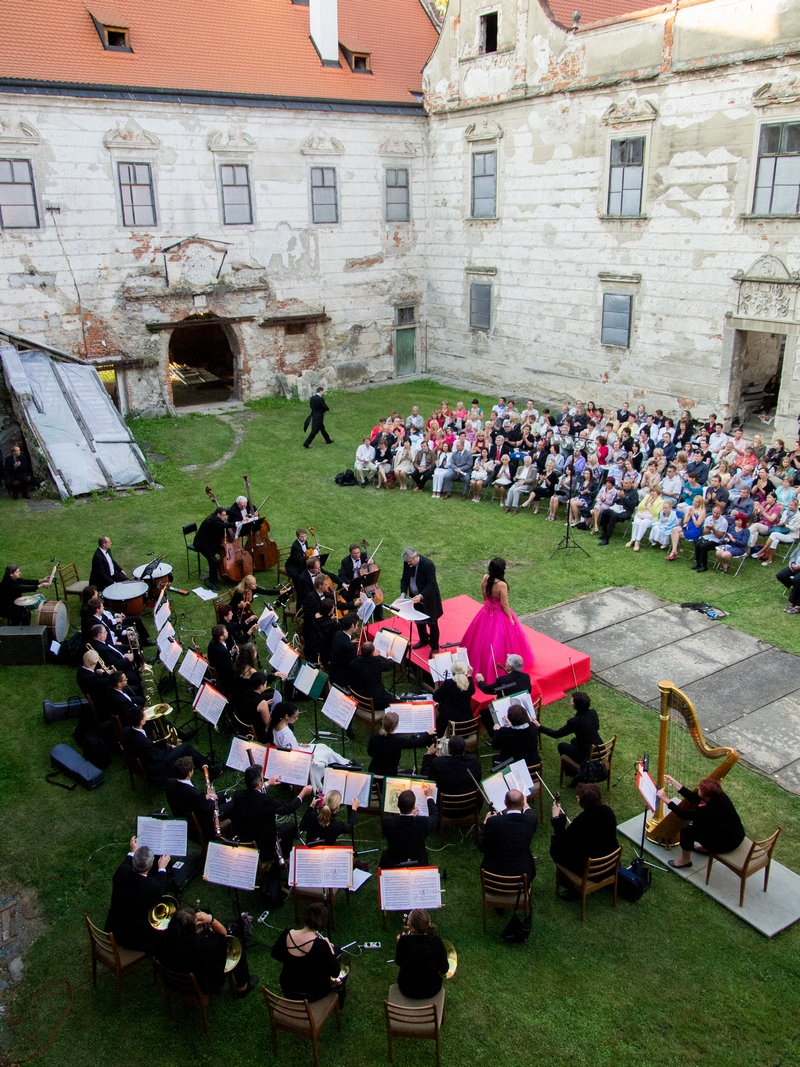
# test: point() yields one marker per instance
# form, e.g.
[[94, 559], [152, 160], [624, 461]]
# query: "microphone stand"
[[568, 542]]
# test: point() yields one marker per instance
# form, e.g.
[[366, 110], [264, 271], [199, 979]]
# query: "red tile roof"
[[596, 10], [257, 47]]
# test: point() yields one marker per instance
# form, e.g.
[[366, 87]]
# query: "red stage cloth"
[[551, 670]]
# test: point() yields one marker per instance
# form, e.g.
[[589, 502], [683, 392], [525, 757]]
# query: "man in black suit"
[[18, 473], [117, 700], [295, 564], [316, 419], [105, 569], [343, 651], [111, 656], [505, 839], [350, 565], [133, 894], [405, 833], [157, 760], [419, 582], [208, 542], [627, 502], [452, 772], [515, 680], [220, 659], [253, 812], [311, 603], [364, 676], [184, 799]]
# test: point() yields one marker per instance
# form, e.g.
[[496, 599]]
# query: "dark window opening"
[[117, 38], [778, 177], [625, 177], [113, 38], [616, 325], [360, 62], [480, 306], [294, 328], [489, 32], [405, 316]]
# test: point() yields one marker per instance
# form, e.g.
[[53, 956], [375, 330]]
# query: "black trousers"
[[431, 625], [421, 477], [609, 519], [314, 431], [702, 549], [212, 561], [791, 579]]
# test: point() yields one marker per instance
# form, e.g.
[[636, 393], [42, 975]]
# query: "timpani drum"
[[126, 598], [161, 578], [53, 614]]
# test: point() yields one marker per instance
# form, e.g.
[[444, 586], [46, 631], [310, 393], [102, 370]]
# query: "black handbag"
[[518, 928]]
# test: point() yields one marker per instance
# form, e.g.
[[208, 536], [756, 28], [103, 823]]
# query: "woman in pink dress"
[[495, 632]]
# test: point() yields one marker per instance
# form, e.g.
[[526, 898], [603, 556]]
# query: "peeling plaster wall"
[[283, 264]]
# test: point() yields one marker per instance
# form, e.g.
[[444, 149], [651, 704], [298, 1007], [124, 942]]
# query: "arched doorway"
[[201, 362]]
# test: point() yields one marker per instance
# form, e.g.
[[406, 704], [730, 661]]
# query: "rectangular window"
[[616, 328], [18, 209], [484, 184], [236, 207], [625, 177], [398, 207], [405, 316], [778, 176], [136, 193], [324, 203], [488, 32], [480, 306]]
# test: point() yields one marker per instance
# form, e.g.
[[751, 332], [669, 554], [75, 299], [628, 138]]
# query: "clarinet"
[[217, 831], [278, 853]]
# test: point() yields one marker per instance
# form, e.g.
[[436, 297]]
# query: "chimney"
[[324, 20]]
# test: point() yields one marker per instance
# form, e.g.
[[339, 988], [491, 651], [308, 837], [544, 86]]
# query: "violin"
[[371, 588], [260, 545], [236, 561]]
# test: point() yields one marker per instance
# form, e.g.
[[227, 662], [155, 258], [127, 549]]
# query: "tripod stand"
[[568, 542]]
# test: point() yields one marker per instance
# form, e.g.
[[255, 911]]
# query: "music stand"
[[647, 788], [568, 543], [216, 873], [409, 613]]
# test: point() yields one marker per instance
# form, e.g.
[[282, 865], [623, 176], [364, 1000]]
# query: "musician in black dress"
[[590, 835], [712, 822], [310, 963], [585, 726], [13, 586], [208, 542], [421, 956], [516, 738], [196, 943], [320, 824], [386, 747], [454, 698]]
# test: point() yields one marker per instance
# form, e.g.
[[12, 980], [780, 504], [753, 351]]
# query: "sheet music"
[[292, 766], [393, 787], [520, 775], [163, 640], [359, 877], [305, 679], [339, 707], [209, 703], [441, 663], [499, 708], [167, 631], [402, 603], [391, 645], [415, 887], [646, 785], [205, 594], [162, 614], [237, 757], [166, 837], [351, 784], [274, 637], [231, 865], [495, 787], [284, 658], [366, 610], [415, 718], [157, 604], [325, 867], [170, 655], [267, 620], [193, 668]]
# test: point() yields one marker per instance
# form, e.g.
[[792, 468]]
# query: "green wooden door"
[[405, 351]]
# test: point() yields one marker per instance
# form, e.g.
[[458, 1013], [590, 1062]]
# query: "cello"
[[262, 548], [236, 561]]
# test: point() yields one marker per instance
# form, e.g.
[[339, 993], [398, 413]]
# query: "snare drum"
[[53, 614], [126, 598], [161, 578]]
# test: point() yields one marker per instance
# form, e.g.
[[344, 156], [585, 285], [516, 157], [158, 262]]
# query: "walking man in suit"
[[316, 419]]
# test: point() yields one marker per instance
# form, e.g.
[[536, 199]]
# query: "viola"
[[236, 561], [371, 588]]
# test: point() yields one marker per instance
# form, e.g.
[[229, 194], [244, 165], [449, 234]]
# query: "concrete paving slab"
[[683, 662], [769, 912], [767, 738], [789, 776], [636, 636], [586, 614], [748, 684]]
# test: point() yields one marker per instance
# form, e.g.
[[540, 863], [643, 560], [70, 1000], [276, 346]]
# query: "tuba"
[[155, 710]]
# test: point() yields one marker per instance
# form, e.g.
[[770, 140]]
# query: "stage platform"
[[553, 662], [769, 912]]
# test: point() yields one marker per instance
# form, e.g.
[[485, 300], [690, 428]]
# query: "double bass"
[[236, 561], [261, 547]]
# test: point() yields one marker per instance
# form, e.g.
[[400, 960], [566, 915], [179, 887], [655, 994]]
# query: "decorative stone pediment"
[[18, 132], [633, 110], [484, 129], [395, 145], [131, 135], [785, 91], [231, 141], [768, 290], [321, 144]]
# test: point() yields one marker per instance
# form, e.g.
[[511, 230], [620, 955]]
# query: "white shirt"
[[365, 454]]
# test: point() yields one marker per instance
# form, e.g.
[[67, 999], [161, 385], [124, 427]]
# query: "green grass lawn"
[[674, 979]]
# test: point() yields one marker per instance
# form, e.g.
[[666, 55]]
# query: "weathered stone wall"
[[85, 283]]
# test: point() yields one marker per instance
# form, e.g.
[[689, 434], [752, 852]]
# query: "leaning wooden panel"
[[665, 826]]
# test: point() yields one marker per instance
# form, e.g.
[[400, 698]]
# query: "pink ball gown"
[[491, 637]]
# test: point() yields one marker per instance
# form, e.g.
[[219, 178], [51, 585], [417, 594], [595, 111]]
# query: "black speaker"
[[23, 646]]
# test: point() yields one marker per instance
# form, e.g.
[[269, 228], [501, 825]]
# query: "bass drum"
[[53, 614]]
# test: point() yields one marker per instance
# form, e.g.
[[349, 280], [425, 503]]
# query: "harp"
[[673, 743]]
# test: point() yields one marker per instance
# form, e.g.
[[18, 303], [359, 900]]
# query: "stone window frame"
[[21, 157], [386, 188], [337, 202], [130, 160], [630, 298], [481, 27], [233, 162], [483, 150], [773, 120]]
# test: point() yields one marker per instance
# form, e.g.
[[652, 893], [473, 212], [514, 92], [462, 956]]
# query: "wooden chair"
[[366, 710], [301, 1018], [535, 769], [71, 583], [105, 950], [222, 600], [604, 752], [503, 891], [469, 729], [458, 809], [196, 831], [416, 1019], [376, 796], [749, 857], [185, 987], [598, 873], [191, 528]]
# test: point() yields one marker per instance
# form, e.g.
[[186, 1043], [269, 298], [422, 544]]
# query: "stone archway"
[[201, 362]]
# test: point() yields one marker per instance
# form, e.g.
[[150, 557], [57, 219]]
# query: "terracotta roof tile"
[[223, 46], [596, 10]]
